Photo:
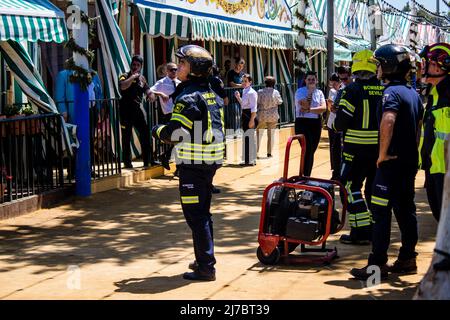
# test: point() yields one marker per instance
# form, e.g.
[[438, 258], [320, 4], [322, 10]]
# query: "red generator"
[[299, 211]]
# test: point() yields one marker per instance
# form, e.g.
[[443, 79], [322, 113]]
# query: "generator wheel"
[[271, 259]]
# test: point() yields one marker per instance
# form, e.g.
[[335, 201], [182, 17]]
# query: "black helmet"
[[394, 60], [199, 59]]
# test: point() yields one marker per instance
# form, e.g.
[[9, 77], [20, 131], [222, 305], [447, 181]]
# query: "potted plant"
[[27, 110], [16, 127]]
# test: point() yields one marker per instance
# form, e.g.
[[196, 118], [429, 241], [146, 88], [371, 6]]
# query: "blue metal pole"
[[83, 159]]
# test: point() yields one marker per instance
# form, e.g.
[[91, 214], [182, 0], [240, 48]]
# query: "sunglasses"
[[343, 79], [173, 69]]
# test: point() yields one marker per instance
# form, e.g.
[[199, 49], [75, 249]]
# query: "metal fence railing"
[[105, 138], [31, 156], [286, 109]]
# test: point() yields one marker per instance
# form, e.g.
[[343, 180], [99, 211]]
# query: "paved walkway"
[[134, 244]]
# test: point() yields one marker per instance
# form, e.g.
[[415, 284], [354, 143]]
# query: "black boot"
[[358, 236], [199, 276]]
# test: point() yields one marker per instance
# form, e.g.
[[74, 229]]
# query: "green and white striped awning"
[[31, 20], [316, 41], [341, 53], [216, 30], [353, 44], [159, 23]]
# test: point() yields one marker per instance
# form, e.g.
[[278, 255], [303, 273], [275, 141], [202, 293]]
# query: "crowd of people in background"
[[374, 121], [258, 111]]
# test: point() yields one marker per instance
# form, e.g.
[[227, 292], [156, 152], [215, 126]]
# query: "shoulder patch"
[[385, 97], [178, 107]]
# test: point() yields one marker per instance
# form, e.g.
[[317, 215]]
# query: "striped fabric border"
[[30, 81], [316, 42], [320, 6], [31, 20], [158, 23], [214, 30], [341, 10], [115, 60]]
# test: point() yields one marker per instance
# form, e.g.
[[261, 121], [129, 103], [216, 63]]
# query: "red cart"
[[299, 211]]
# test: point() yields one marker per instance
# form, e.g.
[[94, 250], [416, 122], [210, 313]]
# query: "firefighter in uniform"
[[357, 118], [197, 130], [393, 187], [436, 124]]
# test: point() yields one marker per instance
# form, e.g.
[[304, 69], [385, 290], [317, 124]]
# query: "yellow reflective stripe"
[[189, 199], [442, 48], [362, 215], [380, 201], [362, 133], [209, 134], [363, 223], [201, 157], [222, 119], [347, 104], [360, 140], [201, 154], [180, 118], [349, 192], [201, 147], [366, 113], [158, 131]]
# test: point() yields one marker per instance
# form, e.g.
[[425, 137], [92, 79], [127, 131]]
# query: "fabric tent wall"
[[278, 68], [115, 61], [255, 64], [30, 82], [33, 51]]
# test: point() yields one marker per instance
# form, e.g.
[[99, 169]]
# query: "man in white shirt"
[[163, 88], [249, 105]]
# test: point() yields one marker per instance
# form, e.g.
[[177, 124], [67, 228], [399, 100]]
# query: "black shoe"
[[349, 239], [250, 164], [215, 190], [364, 273], [408, 266], [269, 155], [197, 276], [164, 160]]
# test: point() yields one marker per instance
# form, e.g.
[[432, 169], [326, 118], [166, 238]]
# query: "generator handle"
[[301, 139]]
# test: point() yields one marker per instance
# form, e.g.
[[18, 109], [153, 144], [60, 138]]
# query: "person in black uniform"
[[357, 118], [393, 187], [132, 88], [196, 128]]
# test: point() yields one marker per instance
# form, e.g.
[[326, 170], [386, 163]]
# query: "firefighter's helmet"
[[439, 52], [394, 60], [362, 61], [199, 58]]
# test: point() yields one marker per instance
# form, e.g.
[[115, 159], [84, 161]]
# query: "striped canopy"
[[316, 41], [166, 23], [353, 44], [30, 81], [31, 20], [158, 23], [216, 30]]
